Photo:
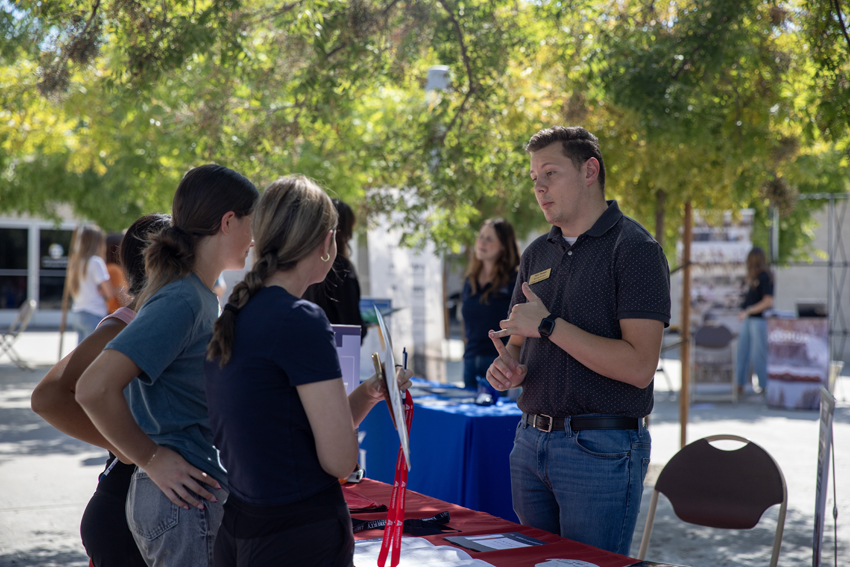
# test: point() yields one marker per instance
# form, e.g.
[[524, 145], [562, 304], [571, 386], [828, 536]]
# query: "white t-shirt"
[[88, 297]]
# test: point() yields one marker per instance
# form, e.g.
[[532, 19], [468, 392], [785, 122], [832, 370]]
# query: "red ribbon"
[[395, 515]]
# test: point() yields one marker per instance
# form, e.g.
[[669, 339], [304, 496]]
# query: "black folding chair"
[[712, 487], [19, 325]]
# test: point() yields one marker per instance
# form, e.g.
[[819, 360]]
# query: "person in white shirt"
[[88, 281]]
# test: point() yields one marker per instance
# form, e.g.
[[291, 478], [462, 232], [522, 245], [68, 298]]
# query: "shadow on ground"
[[44, 557], [667, 411], [22, 431], [676, 542]]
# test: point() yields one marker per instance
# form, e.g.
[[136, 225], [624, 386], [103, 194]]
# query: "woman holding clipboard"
[[278, 409]]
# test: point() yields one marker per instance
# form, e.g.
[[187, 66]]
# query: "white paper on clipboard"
[[392, 386]]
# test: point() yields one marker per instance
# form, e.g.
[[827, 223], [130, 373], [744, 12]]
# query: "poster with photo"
[[721, 242], [797, 362]]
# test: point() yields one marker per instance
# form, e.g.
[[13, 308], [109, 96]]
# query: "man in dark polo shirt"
[[585, 327]]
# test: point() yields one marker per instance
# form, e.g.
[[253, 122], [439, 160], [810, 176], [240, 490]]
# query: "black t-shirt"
[[339, 295], [479, 318], [614, 271], [757, 293], [258, 422]]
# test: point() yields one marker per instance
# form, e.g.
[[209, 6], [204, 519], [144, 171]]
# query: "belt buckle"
[[551, 423]]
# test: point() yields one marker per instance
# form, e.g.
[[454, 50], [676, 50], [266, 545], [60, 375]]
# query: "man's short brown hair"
[[579, 145]]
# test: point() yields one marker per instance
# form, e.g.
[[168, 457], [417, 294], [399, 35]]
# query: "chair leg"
[[647, 530], [780, 528], [19, 362]]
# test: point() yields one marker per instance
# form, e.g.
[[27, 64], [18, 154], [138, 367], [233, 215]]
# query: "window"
[[13, 267], [53, 246]]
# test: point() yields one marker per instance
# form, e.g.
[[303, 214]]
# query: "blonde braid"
[[225, 326]]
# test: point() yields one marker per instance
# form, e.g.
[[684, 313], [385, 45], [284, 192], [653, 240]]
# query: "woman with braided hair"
[[277, 403], [176, 495]]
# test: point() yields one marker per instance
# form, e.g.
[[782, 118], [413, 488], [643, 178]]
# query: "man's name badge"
[[540, 276]]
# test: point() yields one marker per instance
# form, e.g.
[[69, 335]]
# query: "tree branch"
[[469, 76], [841, 21], [278, 11], [344, 44], [66, 53]]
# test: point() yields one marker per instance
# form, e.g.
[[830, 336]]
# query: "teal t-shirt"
[[168, 341]]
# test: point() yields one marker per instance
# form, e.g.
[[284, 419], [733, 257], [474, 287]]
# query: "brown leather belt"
[[548, 423]]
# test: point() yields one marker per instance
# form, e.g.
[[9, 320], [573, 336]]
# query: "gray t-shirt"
[[168, 341]]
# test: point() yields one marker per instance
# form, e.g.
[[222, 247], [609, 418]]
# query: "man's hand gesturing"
[[525, 318], [505, 372]]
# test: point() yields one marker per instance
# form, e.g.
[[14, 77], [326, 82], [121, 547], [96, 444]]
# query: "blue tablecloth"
[[458, 450]]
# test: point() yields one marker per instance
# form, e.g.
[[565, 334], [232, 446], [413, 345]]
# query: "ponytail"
[[204, 196], [169, 256], [131, 253]]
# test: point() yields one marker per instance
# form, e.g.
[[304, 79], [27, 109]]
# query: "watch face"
[[546, 327]]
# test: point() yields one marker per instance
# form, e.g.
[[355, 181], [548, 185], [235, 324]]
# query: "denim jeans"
[[83, 322], [583, 485], [168, 535], [752, 348]]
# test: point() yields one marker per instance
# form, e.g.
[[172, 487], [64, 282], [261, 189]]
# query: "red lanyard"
[[395, 515]]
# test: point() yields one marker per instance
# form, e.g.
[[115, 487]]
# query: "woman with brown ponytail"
[[175, 500], [277, 403]]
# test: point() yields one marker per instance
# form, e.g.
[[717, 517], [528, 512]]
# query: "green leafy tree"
[[106, 103]]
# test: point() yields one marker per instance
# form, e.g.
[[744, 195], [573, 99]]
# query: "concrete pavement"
[[46, 478]]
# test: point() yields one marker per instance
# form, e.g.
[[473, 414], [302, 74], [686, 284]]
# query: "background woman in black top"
[[487, 291], [339, 294], [752, 341]]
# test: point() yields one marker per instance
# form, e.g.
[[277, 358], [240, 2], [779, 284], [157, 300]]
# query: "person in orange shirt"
[[116, 274]]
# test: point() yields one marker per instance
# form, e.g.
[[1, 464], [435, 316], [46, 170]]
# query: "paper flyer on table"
[[392, 386], [494, 542], [416, 552]]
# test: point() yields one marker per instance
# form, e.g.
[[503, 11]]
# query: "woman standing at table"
[[339, 294], [277, 403], [487, 291], [174, 504], [752, 341]]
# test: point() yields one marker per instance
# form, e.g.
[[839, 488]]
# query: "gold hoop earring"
[[326, 257]]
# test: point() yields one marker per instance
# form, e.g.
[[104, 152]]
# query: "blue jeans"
[[168, 535], [475, 366], [83, 322], [752, 348], [583, 485]]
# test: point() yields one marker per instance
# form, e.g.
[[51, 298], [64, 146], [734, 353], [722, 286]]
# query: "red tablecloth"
[[471, 522]]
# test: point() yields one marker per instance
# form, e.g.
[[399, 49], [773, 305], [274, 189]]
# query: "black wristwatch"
[[547, 325]]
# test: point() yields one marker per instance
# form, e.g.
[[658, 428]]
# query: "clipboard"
[[395, 401]]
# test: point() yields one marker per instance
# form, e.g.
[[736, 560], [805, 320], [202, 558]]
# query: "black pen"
[[404, 358]]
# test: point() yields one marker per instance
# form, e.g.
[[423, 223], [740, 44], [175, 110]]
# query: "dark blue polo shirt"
[[258, 421], [614, 271]]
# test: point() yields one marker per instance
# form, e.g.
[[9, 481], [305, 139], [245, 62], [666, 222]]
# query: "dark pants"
[[312, 533], [104, 529], [475, 366]]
